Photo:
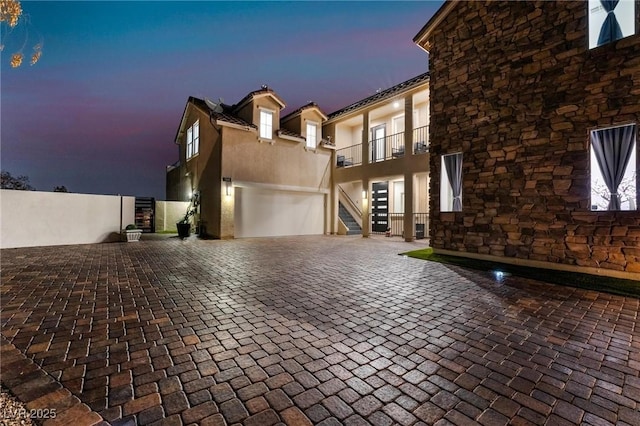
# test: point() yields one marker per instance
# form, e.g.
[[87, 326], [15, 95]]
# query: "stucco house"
[[534, 130], [381, 169], [254, 172]]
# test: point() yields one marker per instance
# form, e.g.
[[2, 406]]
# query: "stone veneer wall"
[[516, 89]]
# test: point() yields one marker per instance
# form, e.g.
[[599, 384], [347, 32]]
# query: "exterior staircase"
[[349, 221]]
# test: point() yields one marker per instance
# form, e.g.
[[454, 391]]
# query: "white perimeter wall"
[[33, 218]]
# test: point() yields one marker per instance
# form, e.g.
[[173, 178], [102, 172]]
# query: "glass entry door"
[[380, 206], [377, 152]]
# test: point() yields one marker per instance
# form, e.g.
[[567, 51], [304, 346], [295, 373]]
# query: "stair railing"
[[351, 206]]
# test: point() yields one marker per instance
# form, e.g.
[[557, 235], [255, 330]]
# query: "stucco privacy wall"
[[516, 90], [168, 213], [32, 218]]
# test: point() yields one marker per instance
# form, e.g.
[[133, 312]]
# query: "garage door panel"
[[267, 213]]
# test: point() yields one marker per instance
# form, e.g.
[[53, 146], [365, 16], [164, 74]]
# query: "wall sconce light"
[[227, 181], [364, 194]]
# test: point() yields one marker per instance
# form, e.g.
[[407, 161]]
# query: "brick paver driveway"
[[322, 330]]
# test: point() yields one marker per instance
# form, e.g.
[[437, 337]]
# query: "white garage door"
[[268, 213]]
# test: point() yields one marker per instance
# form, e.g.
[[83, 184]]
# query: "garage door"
[[267, 213]]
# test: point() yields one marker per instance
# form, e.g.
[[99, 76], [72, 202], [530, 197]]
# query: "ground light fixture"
[[499, 275]]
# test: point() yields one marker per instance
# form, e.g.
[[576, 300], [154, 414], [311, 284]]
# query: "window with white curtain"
[[614, 168], [451, 183]]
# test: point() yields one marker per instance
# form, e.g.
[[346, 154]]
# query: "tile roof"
[[225, 115], [302, 108], [264, 90], [388, 93], [287, 132]]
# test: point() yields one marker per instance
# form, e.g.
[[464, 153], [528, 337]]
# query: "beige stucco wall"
[[344, 135], [168, 213], [282, 162], [34, 218]]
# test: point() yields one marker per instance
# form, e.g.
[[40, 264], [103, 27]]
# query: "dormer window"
[[312, 135], [610, 20], [193, 139], [266, 124]]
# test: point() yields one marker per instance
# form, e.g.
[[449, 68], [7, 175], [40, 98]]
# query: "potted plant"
[[133, 233], [184, 225]]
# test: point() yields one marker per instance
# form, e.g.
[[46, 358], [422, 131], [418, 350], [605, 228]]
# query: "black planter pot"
[[184, 229]]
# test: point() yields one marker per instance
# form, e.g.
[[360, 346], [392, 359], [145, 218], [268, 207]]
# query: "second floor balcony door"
[[377, 152]]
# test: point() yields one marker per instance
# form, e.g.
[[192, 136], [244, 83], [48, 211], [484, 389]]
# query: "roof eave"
[[220, 122], [345, 112], [290, 137], [249, 98], [299, 112], [191, 100], [421, 38]]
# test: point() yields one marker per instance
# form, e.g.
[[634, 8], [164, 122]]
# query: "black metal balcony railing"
[[382, 149], [421, 140], [349, 156], [395, 223], [386, 148]]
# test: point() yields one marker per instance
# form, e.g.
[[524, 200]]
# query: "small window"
[[614, 168], [193, 139], [312, 135], [610, 20], [451, 183], [266, 124]]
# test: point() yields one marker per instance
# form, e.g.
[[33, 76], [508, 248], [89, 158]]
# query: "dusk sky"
[[100, 110]]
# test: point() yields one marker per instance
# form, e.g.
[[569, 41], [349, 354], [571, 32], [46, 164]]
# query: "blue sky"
[[99, 112]]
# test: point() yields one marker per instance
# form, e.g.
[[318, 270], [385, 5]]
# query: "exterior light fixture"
[[396, 104], [364, 194], [227, 181]]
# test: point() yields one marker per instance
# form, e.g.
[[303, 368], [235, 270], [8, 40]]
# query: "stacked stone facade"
[[515, 88]]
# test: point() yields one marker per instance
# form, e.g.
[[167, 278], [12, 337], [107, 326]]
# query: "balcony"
[[383, 149]]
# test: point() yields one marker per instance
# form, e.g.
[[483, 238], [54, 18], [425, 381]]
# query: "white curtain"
[[612, 148]]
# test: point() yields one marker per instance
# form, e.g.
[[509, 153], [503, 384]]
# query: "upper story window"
[[614, 168], [193, 139], [610, 20], [312, 135], [266, 124]]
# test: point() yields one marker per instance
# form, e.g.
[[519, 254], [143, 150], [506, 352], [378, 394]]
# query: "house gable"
[[296, 121], [248, 109]]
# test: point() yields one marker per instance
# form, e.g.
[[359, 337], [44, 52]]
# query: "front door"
[[380, 206], [377, 153]]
